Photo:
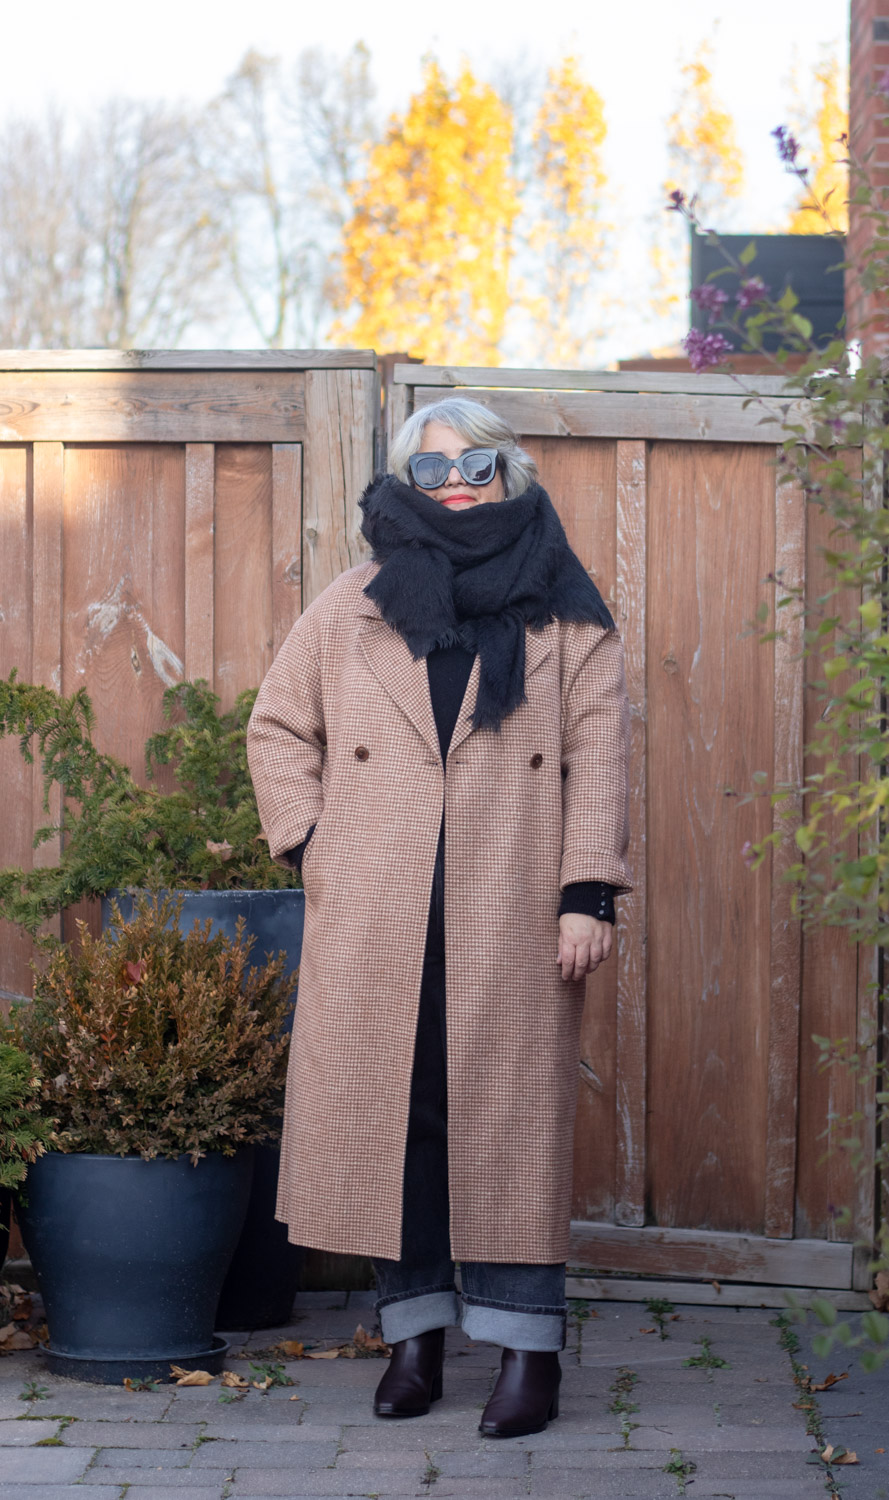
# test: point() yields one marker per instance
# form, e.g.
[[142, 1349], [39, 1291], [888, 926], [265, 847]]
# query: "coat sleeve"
[[286, 741], [595, 758]]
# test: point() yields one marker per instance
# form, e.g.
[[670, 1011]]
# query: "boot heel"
[[553, 1408], [435, 1393]]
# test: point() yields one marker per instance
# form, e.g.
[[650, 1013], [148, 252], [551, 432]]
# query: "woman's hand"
[[584, 943]]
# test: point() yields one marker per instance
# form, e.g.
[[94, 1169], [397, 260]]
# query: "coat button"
[[536, 761], [361, 752]]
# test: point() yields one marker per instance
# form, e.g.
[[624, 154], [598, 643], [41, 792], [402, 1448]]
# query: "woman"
[[442, 744]]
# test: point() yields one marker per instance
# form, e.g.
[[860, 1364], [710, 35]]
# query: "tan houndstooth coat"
[[342, 735]]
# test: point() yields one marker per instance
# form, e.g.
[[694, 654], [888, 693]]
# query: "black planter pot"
[[5, 1219], [130, 1256], [264, 1276]]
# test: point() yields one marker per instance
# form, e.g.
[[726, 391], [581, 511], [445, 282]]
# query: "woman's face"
[[455, 493]]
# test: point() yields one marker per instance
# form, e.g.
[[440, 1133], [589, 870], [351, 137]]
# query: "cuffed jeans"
[[519, 1306]]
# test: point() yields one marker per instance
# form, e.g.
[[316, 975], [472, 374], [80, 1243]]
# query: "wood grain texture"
[[579, 474], [46, 615], [725, 1257], [707, 1293], [710, 540], [398, 408], [624, 414], [187, 359], [21, 782], [132, 406], [287, 524], [200, 518], [337, 465], [243, 574], [585, 380], [786, 936], [631, 1089]]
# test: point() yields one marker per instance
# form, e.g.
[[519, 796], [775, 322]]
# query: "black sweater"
[[449, 668]]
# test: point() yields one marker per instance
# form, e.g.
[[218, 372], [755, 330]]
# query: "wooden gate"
[[164, 516], [701, 1123]]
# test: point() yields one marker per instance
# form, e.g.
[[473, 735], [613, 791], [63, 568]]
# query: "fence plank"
[[200, 526], [46, 659], [710, 1253], [631, 1089], [398, 409], [786, 936], [187, 359], [337, 464], [287, 523], [243, 576], [136, 406], [610, 414], [587, 380]]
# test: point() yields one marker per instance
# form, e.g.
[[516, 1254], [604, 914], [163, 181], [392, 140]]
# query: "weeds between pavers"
[[32, 1390], [620, 1406], [706, 1360], [662, 1312], [681, 1468], [789, 1342]]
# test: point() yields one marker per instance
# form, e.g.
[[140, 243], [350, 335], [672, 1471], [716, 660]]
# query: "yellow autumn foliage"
[[569, 236], [829, 175], [427, 252]]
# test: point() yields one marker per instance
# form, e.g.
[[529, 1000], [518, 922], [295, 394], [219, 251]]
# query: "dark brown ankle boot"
[[526, 1395], [413, 1376]]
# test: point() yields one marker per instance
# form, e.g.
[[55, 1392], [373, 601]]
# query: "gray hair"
[[479, 426]]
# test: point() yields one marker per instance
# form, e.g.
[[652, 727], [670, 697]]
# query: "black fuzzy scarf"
[[475, 578]]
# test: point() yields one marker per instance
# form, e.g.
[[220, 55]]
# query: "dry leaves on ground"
[[838, 1455], [808, 1384], [363, 1345], [190, 1377], [234, 1381], [17, 1307]]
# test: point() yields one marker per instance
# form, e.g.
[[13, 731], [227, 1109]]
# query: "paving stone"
[[755, 1467], [15, 1434], [270, 1431], [479, 1462], [95, 1405], [171, 1480], [372, 1458], [497, 1487], [142, 1458], [312, 1482], [162, 1492], [59, 1491], [732, 1439], [234, 1455], [131, 1434], [44, 1465], [809, 1487]]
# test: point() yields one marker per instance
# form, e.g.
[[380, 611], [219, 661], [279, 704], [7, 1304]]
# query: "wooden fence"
[[167, 516], [164, 516], [701, 1126]]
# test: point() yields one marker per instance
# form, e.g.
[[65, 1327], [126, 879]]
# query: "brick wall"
[[867, 313]]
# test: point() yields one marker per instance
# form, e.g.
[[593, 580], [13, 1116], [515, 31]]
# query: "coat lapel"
[[538, 645], [404, 679]]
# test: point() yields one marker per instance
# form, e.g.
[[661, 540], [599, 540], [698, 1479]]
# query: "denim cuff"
[[512, 1329], [404, 1317]]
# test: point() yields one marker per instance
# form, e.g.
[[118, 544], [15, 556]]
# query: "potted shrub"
[[163, 1059], [202, 839], [23, 1130]]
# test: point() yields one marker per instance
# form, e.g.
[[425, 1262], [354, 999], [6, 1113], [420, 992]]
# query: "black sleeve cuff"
[[589, 898], [295, 856]]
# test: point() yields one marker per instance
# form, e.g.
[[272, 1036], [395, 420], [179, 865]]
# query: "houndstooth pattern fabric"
[[342, 735]]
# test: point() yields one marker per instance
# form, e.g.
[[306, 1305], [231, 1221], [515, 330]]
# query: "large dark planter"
[[130, 1256], [5, 1220], [263, 1279]]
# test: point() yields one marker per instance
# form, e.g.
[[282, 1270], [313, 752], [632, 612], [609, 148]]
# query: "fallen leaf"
[[291, 1347], [190, 1377], [225, 850], [323, 1354], [716, 1287], [14, 1338], [879, 1450], [234, 1381], [370, 1343], [262, 1385], [293, 1398], [826, 1383], [880, 1294], [836, 1454], [648, 1330], [21, 1309]]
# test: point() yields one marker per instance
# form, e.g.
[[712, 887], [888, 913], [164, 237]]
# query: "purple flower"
[[705, 349], [747, 853], [712, 298], [788, 146], [677, 200], [837, 425], [753, 290]]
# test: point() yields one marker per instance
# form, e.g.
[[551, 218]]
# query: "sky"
[[185, 49]]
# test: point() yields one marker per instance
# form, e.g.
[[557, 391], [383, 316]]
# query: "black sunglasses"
[[477, 466]]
